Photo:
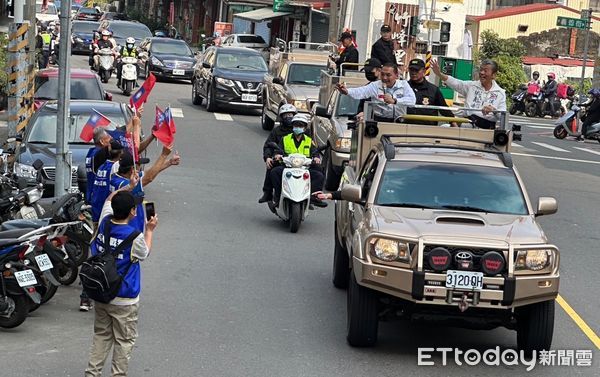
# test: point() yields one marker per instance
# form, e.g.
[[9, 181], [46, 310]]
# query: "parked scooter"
[[128, 74], [106, 59], [539, 106], [518, 100]]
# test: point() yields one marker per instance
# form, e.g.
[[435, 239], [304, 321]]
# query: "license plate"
[[73, 190], [43, 262], [249, 97], [468, 280], [25, 278], [179, 72]]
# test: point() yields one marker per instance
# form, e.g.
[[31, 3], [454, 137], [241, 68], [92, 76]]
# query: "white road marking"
[[556, 158], [513, 144], [177, 112], [588, 150], [541, 127], [226, 117], [552, 147]]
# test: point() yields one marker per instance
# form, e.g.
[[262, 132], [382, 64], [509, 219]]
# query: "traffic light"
[[414, 26], [445, 32]]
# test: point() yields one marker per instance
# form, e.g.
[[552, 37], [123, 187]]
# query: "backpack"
[[561, 90], [99, 276]]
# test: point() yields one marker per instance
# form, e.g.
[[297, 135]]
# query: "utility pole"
[[428, 55], [333, 20], [588, 17], [63, 156], [596, 80]]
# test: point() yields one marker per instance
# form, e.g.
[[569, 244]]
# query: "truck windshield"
[[451, 186], [347, 106], [305, 74]]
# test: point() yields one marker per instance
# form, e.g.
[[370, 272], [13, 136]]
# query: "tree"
[[507, 53]]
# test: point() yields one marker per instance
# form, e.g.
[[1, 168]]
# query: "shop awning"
[[261, 14]]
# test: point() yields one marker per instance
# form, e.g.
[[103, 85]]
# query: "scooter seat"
[[23, 224], [14, 233]]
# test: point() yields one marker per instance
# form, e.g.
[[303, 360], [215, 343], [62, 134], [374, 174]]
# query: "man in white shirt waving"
[[484, 94], [395, 93]]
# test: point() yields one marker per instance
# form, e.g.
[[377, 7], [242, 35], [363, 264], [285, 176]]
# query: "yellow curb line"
[[580, 322]]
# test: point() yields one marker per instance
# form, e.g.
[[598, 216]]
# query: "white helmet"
[[106, 32], [130, 41], [287, 108], [300, 118]]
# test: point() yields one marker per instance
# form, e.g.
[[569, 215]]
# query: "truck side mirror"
[[352, 193], [546, 206], [321, 111]]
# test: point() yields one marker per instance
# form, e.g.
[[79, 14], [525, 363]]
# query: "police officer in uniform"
[[129, 50], [44, 39], [298, 142], [426, 93]]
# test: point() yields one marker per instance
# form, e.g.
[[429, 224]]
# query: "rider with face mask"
[[298, 142], [286, 114], [128, 50]]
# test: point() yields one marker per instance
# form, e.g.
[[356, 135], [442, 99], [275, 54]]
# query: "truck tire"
[[341, 263], [363, 322], [266, 122], [332, 179], [19, 315], [560, 132], [535, 326], [295, 216]]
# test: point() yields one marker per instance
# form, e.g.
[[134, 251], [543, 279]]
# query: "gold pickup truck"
[[435, 224]]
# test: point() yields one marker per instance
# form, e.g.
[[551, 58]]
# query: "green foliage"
[[138, 15], [3, 58], [507, 53]]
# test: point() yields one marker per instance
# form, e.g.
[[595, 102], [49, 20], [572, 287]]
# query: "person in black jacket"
[[426, 93], [383, 49], [592, 114], [286, 114], [349, 55], [550, 89]]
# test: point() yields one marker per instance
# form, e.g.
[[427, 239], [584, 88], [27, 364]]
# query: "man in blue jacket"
[[115, 323]]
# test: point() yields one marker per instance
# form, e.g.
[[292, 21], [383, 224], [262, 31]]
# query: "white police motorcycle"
[[128, 74]]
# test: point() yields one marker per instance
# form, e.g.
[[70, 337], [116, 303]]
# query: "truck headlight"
[[390, 250], [343, 143], [534, 260], [225, 82], [300, 105], [25, 171]]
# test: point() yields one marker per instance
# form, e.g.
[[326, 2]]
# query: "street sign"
[[431, 24], [277, 5], [575, 23]]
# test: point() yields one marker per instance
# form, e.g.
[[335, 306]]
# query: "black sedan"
[[229, 76], [166, 57], [82, 35], [39, 140], [88, 14]]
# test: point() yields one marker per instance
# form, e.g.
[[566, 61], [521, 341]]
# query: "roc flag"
[[143, 92], [162, 129], [170, 121], [96, 120]]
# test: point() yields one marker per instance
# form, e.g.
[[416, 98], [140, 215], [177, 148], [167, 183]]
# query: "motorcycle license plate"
[[25, 278], [28, 212], [467, 280], [43, 262], [249, 97], [179, 72]]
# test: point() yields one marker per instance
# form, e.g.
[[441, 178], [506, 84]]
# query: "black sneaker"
[[85, 305], [318, 203], [267, 196], [580, 139]]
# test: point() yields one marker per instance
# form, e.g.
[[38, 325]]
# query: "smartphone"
[[149, 210]]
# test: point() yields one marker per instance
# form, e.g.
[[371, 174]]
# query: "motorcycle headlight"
[[156, 62], [300, 105], [225, 82], [390, 250], [534, 260], [296, 162], [34, 195], [25, 171]]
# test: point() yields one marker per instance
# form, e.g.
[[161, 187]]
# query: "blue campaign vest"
[[139, 221], [101, 189], [89, 171], [119, 136], [130, 287]]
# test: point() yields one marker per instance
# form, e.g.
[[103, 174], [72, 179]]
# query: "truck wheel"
[[531, 110], [332, 179], [560, 132], [341, 263], [295, 216], [210, 100], [535, 326], [266, 122], [19, 315], [196, 99], [362, 315]]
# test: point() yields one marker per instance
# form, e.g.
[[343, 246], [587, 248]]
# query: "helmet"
[[300, 118], [52, 24], [535, 73], [106, 33], [595, 92], [551, 75], [130, 40], [287, 108]]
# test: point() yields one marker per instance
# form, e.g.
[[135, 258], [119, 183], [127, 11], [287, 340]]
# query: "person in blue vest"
[[127, 172], [94, 158], [115, 323], [101, 188], [298, 142]]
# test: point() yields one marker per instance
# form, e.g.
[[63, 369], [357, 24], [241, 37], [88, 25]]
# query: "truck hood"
[[30, 152], [302, 92], [456, 226]]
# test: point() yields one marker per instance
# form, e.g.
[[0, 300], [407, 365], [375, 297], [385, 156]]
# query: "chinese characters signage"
[[571, 22], [398, 16]]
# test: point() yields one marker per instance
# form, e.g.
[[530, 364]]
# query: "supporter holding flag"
[[95, 120], [138, 99], [164, 126]]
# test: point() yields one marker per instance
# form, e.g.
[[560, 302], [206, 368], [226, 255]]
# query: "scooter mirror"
[[38, 164]]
